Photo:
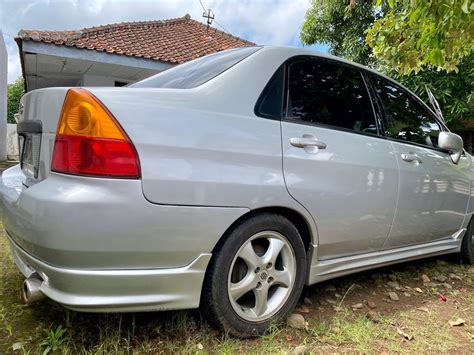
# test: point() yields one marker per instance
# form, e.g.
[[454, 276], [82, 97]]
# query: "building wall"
[[3, 98], [12, 142], [48, 65], [99, 80]]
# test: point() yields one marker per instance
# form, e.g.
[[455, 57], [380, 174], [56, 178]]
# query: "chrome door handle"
[[307, 142], [409, 157]]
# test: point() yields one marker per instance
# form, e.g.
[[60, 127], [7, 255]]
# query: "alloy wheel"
[[261, 276]]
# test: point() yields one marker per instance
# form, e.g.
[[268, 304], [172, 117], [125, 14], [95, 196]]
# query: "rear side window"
[[406, 118], [196, 72], [327, 93], [270, 102]]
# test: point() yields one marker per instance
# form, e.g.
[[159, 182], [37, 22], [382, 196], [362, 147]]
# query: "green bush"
[[15, 92]]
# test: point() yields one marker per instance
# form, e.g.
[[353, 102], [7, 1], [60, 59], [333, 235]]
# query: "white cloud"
[[267, 22], [24, 8], [14, 66], [95, 6], [275, 22]]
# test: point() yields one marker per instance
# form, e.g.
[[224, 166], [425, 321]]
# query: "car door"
[[334, 162], [434, 192]]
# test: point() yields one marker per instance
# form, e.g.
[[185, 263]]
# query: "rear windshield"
[[196, 72]]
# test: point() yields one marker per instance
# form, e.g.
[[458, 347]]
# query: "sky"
[[273, 22]]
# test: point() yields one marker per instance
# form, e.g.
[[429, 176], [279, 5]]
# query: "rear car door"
[[334, 162], [434, 192]]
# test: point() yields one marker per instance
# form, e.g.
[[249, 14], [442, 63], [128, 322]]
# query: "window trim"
[[334, 128], [378, 110], [370, 76], [376, 103], [285, 116]]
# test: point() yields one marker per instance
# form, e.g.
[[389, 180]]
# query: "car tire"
[[255, 277], [467, 246]]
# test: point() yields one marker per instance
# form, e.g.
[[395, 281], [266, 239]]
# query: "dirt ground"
[[416, 307]]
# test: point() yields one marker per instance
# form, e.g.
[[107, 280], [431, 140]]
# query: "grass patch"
[[351, 332], [6, 164]]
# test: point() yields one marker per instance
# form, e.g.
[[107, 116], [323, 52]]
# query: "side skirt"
[[329, 269]]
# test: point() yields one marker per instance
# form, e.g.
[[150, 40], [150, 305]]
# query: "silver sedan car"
[[228, 183]]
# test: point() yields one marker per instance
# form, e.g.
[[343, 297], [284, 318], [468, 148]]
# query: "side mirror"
[[452, 143]]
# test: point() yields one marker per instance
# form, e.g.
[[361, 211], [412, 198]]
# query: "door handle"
[[307, 142], [409, 157]]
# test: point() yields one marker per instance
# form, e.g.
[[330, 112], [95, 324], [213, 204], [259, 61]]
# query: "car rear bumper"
[[117, 290], [76, 222], [99, 245]]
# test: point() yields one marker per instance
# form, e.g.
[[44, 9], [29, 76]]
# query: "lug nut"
[[259, 284], [270, 280], [269, 265], [257, 270]]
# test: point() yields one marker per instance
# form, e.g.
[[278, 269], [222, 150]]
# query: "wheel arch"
[[301, 223]]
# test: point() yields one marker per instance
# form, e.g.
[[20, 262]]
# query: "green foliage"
[[414, 35], [454, 91], [15, 92], [341, 25], [402, 39], [55, 339]]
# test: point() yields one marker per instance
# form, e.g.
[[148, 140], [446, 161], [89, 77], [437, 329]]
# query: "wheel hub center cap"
[[263, 275]]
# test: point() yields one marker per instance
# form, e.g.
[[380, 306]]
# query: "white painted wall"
[[12, 142], [99, 80], [3, 98]]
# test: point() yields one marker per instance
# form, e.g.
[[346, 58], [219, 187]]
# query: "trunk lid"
[[37, 123]]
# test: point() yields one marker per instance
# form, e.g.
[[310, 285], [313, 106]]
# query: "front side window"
[[327, 93], [406, 119]]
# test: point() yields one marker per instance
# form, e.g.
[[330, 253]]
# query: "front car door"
[[334, 162], [434, 192]]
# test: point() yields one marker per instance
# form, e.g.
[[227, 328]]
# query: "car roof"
[[296, 51]]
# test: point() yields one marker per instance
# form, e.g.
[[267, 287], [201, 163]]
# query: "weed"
[[54, 340], [226, 345]]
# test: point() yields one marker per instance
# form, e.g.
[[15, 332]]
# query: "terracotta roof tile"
[[175, 40]]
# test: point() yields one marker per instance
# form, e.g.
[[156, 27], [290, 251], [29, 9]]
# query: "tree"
[[350, 29], [454, 90], [414, 35], [15, 92], [342, 26]]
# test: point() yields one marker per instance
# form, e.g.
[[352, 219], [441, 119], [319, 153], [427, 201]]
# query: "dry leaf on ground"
[[456, 322], [405, 335]]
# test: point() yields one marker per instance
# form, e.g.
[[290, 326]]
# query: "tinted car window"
[[196, 72], [270, 102], [405, 117], [329, 94]]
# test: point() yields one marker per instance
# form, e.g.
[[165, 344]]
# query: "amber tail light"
[[90, 142]]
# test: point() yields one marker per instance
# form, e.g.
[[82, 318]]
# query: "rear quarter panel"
[[205, 146]]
